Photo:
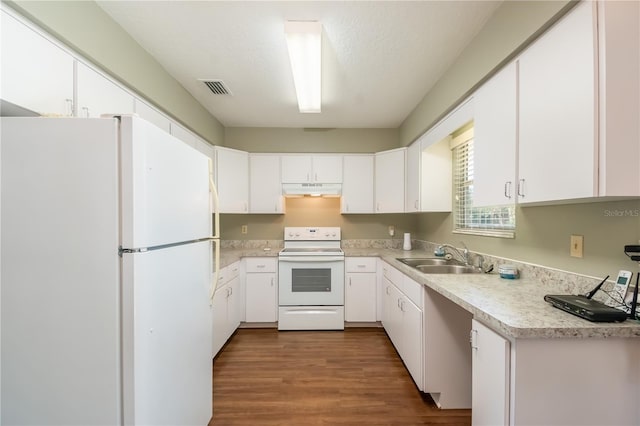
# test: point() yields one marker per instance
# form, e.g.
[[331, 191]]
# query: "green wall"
[[86, 28], [271, 139], [312, 211], [514, 25]]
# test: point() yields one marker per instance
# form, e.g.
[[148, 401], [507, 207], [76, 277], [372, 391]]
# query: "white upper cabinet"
[[494, 144], [265, 189], [232, 180], [414, 160], [152, 115], [183, 134], [557, 117], [299, 168], [357, 184], [579, 106], [390, 181], [36, 74], [97, 95]]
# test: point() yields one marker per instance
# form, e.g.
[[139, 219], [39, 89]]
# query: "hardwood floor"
[[355, 377]]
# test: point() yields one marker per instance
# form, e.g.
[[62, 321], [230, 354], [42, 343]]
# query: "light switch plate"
[[577, 246]]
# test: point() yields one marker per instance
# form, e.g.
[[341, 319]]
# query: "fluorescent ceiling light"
[[304, 40]]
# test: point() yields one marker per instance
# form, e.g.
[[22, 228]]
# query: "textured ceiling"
[[379, 58]]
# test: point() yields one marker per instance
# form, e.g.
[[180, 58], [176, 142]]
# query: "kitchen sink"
[[435, 265]]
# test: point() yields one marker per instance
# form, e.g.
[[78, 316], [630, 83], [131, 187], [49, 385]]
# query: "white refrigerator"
[[106, 266]]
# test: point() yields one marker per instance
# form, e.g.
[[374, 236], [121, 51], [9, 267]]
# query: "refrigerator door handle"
[[123, 250], [216, 275], [215, 203]]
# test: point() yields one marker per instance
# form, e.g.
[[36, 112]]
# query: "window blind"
[[466, 216]]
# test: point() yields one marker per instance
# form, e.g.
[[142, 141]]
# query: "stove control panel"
[[317, 233]]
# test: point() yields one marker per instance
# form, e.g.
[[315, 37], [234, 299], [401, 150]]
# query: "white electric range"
[[311, 279]]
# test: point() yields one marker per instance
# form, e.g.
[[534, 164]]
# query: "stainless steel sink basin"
[[437, 265], [448, 269], [428, 261]]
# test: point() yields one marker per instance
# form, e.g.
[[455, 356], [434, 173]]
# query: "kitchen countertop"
[[514, 308]]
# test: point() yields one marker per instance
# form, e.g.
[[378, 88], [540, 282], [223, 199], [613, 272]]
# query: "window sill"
[[486, 233]]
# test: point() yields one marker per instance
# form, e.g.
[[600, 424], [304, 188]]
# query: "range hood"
[[312, 189]]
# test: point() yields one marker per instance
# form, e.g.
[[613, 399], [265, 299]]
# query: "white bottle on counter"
[[407, 241]]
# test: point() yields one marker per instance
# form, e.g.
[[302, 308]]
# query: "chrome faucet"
[[462, 255], [465, 255]]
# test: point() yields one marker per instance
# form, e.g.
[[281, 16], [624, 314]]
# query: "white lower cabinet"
[[227, 306], [402, 319], [490, 389], [261, 289], [360, 289]]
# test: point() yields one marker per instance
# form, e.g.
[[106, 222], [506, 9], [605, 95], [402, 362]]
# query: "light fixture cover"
[[304, 41]]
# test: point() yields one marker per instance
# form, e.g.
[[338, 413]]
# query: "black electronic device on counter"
[[585, 307], [588, 309]]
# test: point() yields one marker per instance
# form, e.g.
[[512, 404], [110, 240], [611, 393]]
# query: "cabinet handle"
[[261, 266], [85, 110], [362, 266], [507, 189], [402, 306], [473, 339], [271, 282], [399, 303], [349, 281], [377, 206], [69, 107], [386, 290], [521, 187]]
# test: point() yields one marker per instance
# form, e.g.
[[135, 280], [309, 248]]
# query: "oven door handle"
[[314, 259]]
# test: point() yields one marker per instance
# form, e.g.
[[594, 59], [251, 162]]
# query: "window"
[[499, 221]]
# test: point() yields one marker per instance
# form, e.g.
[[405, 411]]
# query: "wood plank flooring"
[[355, 377]]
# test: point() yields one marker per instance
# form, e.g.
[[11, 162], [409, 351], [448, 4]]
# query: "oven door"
[[311, 280]]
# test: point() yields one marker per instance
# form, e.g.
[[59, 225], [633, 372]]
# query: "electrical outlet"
[[244, 229], [392, 230], [577, 246]]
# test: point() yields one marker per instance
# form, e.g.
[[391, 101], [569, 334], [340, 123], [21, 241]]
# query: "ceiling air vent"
[[217, 87]]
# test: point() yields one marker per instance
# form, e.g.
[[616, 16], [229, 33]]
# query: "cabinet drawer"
[[260, 264], [413, 290], [228, 273], [392, 274], [360, 264]]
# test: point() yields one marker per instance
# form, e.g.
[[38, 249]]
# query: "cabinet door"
[[389, 306], [219, 318], [265, 189], [234, 306], [184, 135], [327, 168], [152, 115], [390, 181], [357, 184], [232, 180], [414, 156], [494, 145], [296, 168], [360, 297], [98, 95], [36, 74], [412, 337], [261, 300], [557, 112], [490, 381]]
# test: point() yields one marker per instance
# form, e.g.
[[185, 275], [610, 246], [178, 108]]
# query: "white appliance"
[[106, 274], [311, 279]]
